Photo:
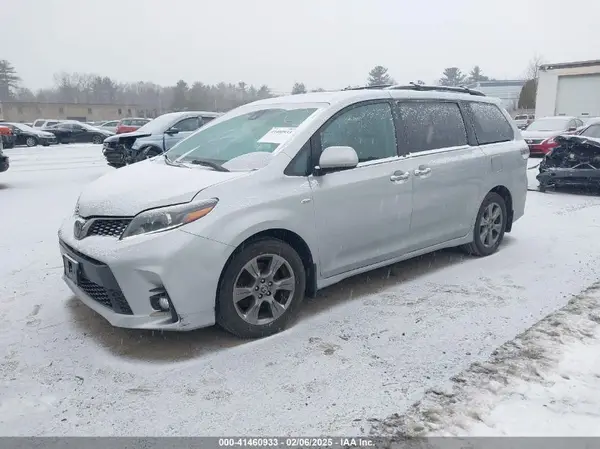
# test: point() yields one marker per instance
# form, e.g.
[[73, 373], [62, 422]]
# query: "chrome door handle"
[[422, 171], [399, 176]]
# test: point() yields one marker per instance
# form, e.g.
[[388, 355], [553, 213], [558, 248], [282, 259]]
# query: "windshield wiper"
[[207, 163], [170, 162]]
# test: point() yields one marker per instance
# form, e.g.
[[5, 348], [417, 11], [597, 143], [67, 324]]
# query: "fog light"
[[163, 303]]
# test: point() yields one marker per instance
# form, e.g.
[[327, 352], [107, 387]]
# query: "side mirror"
[[171, 131], [337, 158]]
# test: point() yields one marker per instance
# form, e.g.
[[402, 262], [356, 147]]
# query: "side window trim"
[[315, 140]]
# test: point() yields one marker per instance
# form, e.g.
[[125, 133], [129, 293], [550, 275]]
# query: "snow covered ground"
[[546, 382], [364, 349]]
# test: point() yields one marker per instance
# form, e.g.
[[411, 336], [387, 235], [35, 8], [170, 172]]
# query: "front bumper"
[[114, 155], [117, 277], [4, 164], [553, 177], [47, 140]]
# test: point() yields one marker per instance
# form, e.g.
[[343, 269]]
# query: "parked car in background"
[[110, 125], [77, 132], [44, 123], [128, 125], [26, 135], [3, 159], [524, 120], [6, 136], [154, 138], [591, 128], [242, 220], [540, 134]]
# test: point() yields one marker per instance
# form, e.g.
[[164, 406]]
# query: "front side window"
[[430, 125], [369, 129], [260, 131], [592, 131], [188, 124], [491, 126]]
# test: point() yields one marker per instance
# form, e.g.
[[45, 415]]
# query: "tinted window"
[[490, 124], [188, 124], [592, 131], [369, 129], [432, 125]]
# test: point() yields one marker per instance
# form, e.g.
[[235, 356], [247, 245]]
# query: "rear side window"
[[431, 125], [490, 123], [126, 122]]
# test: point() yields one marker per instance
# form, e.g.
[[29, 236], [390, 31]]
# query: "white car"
[[523, 120], [276, 199]]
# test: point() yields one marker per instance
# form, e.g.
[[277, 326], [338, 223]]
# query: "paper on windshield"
[[277, 135]]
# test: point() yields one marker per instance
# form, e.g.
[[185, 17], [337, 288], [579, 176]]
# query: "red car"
[[540, 134], [7, 137], [128, 125]]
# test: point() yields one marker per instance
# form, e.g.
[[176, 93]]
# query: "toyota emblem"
[[78, 229]]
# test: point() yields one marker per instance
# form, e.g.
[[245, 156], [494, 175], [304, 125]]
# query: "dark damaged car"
[[153, 138], [574, 162]]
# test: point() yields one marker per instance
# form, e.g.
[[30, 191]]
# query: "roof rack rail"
[[425, 87], [379, 86]]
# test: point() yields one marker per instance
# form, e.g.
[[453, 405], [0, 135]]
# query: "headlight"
[[170, 217]]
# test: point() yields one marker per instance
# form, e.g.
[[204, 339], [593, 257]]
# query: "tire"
[[488, 245], [31, 141], [97, 139], [274, 307]]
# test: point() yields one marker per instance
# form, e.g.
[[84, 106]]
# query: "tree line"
[[96, 89]]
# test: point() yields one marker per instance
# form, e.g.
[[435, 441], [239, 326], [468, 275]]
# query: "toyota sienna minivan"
[[276, 199]]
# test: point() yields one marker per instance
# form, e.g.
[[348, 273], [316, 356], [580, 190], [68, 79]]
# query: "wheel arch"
[[292, 239], [507, 197]]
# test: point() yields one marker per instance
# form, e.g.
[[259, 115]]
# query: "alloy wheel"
[[490, 226], [264, 289]]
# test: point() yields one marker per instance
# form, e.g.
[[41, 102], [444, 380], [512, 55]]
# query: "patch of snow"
[[545, 382]]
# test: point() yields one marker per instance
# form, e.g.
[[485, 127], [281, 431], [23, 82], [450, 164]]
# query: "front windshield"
[[550, 124], [257, 131]]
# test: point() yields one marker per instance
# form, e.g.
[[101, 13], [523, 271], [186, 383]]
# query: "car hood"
[[134, 134], [145, 185], [539, 134]]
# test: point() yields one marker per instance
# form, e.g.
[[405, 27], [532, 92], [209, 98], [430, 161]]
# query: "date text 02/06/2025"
[[296, 442]]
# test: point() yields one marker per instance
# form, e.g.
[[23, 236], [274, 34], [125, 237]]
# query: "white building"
[[507, 90], [571, 88]]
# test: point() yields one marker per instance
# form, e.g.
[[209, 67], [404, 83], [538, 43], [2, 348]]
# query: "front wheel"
[[148, 153], [31, 142], [261, 289], [97, 140], [489, 226]]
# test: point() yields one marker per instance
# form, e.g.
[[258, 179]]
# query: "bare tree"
[[533, 68]]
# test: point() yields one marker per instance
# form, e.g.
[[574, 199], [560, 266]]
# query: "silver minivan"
[[279, 198]]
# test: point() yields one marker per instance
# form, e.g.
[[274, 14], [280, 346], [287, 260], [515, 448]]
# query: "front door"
[[184, 129], [448, 173], [363, 214]]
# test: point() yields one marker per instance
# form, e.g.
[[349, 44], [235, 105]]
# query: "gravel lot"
[[365, 348]]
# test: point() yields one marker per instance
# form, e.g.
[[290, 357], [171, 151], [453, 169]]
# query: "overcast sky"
[[323, 43]]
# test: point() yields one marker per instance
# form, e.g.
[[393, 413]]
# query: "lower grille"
[[95, 291], [109, 227], [109, 298]]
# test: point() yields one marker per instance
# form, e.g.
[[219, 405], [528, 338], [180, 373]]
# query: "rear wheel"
[[490, 226], [97, 139], [31, 142], [261, 289]]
